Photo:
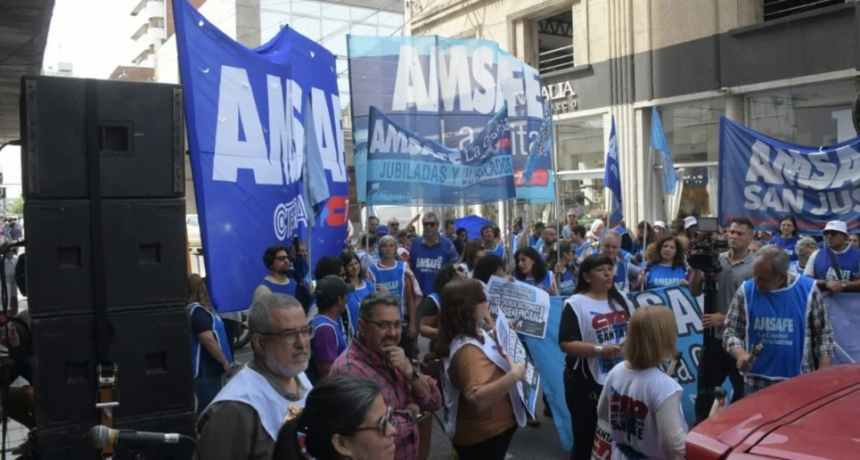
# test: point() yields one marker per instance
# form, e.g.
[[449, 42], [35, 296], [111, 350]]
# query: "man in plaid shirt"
[[783, 312], [375, 354]]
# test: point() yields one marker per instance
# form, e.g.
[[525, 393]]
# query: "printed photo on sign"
[[510, 343], [526, 306]]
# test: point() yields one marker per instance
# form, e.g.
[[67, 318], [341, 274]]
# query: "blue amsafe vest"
[[621, 276], [353, 304], [393, 278], [849, 262], [568, 283], [220, 336], [499, 250], [288, 289], [323, 321], [787, 245], [664, 276], [777, 320]]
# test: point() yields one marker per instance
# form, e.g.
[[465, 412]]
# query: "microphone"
[[101, 436]]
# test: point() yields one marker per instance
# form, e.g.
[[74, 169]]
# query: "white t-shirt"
[[634, 398], [600, 325]]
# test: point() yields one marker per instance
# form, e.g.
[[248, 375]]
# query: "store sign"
[[562, 96]]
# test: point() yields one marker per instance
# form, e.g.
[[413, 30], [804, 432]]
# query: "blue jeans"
[[206, 388]]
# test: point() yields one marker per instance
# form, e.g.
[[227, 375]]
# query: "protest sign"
[[527, 306], [764, 179], [247, 113], [447, 90], [404, 168], [510, 343]]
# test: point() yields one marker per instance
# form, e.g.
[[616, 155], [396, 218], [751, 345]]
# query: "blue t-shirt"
[[568, 282], [499, 250], [353, 303], [660, 275], [426, 261], [289, 288], [787, 244]]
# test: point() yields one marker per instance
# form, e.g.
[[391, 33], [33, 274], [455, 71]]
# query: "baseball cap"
[[660, 224], [333, 286], [382, 230], [690, 221], [836, 226]]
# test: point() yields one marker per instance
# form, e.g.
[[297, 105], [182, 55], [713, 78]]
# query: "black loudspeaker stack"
[[103, 170]]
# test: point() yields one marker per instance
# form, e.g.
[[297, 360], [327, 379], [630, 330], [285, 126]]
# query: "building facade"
[[786, 69]]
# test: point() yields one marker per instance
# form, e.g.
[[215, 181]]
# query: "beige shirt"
[[231, 430]]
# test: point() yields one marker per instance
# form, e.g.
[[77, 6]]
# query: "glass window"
[[581, 147], [693, 130], [309, 27], [366, 15], [332, 11], [696, 194], [341, 65], [306, 7], [390, 19], [389, 31], [811, 115], [334, 36], [362, 29]]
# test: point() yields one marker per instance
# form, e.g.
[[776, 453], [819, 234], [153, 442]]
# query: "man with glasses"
[[836, 271], [277, 260], [375, 354], [244, 419], [429, 253], [393, 226], [572, 221]]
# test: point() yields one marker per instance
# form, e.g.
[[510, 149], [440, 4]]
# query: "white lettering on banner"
[[792, 201], [338, 166], [387, 139], [288, 217], [449, 77], [281, 161], [687, 316], [793, 168]]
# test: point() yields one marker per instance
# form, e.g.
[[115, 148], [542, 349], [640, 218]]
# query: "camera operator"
[[737, 265]]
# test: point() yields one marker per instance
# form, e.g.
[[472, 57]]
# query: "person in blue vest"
[[565, 268], [277, 260], [667, 266], [213, 356], [836, 269], [625, 272], [582, 247], [491, 246], [787, 238], [431, 306], [784, 313], [430, 252], [329, 339], [804, 249], [394, 275], [572, 221], [531, 269], [355, 275]]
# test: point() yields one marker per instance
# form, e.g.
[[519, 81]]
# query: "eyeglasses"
[[290, 335], [282, 258], [386, 325], [429, 224], [384, 422]]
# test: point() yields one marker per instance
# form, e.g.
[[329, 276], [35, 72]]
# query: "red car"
[[812, 417]]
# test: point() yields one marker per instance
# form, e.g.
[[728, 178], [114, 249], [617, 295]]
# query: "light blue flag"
[[315, 189], [542, 147], [612, 179], [659, 143]]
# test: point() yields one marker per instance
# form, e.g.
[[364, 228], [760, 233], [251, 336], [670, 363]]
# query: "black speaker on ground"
[[71, 443], [151, 348], [141, 139], [145, 255]]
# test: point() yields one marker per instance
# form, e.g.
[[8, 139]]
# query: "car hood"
[[793, 403]]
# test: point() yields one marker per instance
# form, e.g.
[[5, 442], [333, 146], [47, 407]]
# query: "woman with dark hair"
[[344, 417], [213, 356], [473, 251], [787, 238], [666, 266], [355, 274], [564, 268], [644, 236], [459, 240], [490, 265], [479, 383], [531, 269], [431, 305], [592, 329]]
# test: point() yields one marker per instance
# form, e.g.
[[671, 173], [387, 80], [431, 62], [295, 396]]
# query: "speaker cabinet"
[[140, 132]]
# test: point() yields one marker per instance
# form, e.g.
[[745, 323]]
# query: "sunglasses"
[[386, 421], [429, 224]]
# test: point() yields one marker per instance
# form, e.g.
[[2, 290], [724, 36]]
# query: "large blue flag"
[[659, 143], [541, 148], [612, 179], [447, 90], [764, 179], [404, 168], [246, 117]]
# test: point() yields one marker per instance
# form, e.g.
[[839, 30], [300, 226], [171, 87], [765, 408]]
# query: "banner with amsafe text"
[[764, 179], [447, 90], [245, 114]]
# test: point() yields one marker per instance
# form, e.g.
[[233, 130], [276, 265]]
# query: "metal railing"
[[556, 59]]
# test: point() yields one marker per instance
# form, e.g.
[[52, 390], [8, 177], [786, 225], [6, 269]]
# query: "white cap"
[[660, 224], [690, 221], [837, 226]]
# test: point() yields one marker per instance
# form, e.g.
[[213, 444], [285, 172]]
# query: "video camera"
[[705, 254]]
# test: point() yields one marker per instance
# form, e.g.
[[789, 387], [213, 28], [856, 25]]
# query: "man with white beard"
[[243, 420]]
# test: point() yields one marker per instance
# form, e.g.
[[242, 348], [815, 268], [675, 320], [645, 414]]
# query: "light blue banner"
[[446, 90], [764, 179], [403, 168]]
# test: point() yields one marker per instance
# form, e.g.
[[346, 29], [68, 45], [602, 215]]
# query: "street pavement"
[[528, 443]]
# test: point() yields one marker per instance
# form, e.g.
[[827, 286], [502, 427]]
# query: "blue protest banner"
[[245, 115], [763, 179], [447, 90], [403, 168]]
